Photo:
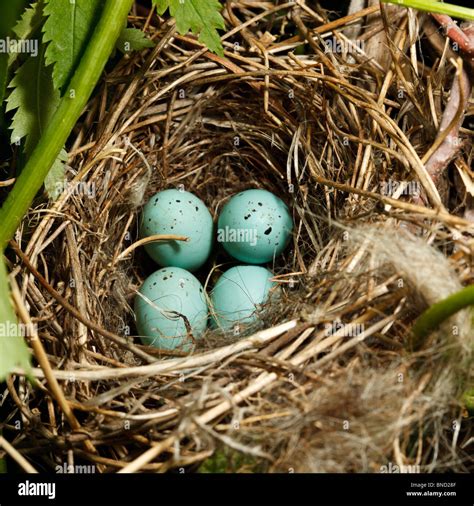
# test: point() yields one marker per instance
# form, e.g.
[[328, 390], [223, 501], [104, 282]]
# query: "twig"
[[178, 364], [71, 309], [41, 357], [7, 182], [17, 456], [148, 456], [150, 239], [464, 40], [447, 145]]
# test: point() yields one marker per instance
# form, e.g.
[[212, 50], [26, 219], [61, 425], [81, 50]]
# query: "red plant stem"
[[462, 35], [451, 145]]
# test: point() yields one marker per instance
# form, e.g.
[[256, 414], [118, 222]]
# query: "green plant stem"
[[468, 399], [69, 110], [435, 315], [435, 6]]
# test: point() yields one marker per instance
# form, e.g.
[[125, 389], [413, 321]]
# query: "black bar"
[[241, 490]]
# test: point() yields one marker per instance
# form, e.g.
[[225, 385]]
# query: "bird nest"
[[329, 380]]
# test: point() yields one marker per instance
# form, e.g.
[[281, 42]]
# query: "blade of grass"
[[435, 6], [69, 110]]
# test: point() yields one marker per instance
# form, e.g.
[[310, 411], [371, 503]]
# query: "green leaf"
[[132, 39], [202, 17], [453, 10], [60, 126], [54, 182], [3, 76], [161, 6], [29, 22], [227, 460], [10, 13], [35, 100], [28, 26], [68, 29], [13, 349]]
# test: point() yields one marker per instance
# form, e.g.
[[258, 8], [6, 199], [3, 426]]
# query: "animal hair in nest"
[[363, 412]]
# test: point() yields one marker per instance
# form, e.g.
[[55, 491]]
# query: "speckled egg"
[[165, 297], [239, 296], [254, 226], [178, 213]]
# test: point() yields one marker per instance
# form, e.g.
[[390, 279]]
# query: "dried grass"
[[336, 388]]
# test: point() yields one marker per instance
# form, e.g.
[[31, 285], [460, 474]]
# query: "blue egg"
[[165, 298], [240, 295], [178, 213], [255, 226]]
